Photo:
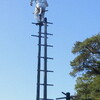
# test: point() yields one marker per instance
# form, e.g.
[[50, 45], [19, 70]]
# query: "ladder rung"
[[46, 45], [47, 99], [41, 23], [47, 71], [47, 33], [47, 58], [48, 84], [49, 23], [61, 98], [37, 36], [50, 99]]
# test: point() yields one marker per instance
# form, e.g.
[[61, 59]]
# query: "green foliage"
[[87, 64], [88, 56], [95, 87], [88, 87]]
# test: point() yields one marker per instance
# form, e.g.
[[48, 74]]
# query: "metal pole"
[[45, 59], [39, 63], [67, 96]]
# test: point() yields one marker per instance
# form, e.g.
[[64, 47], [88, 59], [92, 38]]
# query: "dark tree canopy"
[[87, 63], [88, 56], [88, 88]]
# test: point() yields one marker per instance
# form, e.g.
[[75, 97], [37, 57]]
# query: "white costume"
[[40, 9]]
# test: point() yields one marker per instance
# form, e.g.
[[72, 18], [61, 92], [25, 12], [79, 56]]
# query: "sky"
[[73, 20]]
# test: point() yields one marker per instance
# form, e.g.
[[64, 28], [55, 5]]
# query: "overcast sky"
[[73, 20]]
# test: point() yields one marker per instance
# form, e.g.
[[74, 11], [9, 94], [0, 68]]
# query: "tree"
[[83, 87], [88, 88], [95, 87], [88, 56], [87, 63]]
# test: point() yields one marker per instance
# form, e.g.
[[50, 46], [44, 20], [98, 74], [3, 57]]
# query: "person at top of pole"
[[39, 9]]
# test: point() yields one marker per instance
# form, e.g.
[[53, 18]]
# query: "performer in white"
[[39, 9]]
